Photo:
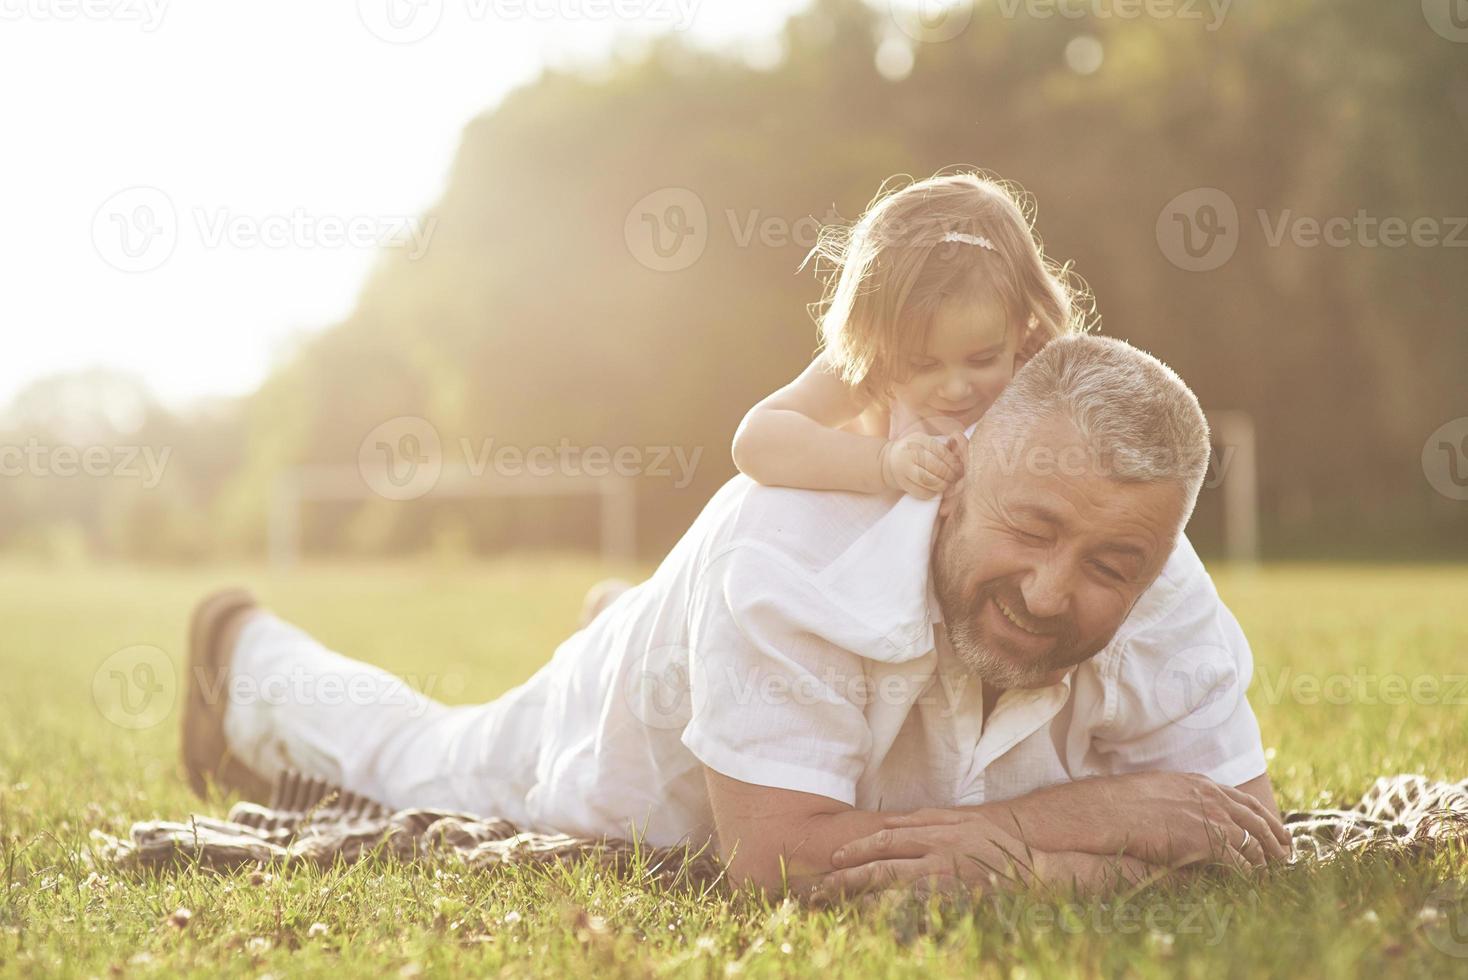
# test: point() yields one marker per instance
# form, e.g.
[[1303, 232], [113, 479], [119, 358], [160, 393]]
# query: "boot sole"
[[206, 754]]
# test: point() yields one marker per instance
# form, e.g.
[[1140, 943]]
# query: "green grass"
[[480, 629]]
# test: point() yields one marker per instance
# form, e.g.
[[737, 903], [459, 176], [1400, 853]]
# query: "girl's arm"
[[793, 437]]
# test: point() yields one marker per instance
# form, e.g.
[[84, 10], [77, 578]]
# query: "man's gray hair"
[[1140, 422]]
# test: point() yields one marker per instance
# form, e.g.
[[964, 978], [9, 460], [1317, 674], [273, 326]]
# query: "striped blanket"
[[310, 821]]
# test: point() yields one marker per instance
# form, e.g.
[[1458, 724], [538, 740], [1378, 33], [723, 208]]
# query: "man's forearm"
[[1061, 820], [969, 851], [1171, 818], [1067, 817]]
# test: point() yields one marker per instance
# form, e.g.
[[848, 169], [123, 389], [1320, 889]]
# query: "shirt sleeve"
[[1175, 698], [775, 702]]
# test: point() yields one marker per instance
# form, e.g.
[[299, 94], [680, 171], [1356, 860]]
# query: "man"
[[1049, 666]]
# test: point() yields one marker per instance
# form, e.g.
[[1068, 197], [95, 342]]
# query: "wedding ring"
[[1245, 842]]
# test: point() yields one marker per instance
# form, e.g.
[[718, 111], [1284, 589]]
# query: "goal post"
[[1234, 469]]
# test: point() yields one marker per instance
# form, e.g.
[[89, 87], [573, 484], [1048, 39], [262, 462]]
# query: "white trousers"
[[293, 704]]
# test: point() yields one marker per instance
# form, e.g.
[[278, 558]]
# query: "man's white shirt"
[[791, 640]]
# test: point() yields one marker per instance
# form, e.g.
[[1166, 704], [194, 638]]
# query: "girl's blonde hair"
[[887, 275]]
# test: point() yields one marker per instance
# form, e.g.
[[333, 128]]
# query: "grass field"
[[1359, 672]]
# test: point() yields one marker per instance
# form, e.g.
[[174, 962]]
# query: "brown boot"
[[213, 630]]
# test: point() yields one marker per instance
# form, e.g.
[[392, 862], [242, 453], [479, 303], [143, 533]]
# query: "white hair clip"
[[979, 240]]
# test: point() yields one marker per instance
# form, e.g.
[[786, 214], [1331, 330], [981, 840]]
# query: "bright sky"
[[187, 184]]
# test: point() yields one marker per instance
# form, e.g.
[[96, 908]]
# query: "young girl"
[[935, 297]]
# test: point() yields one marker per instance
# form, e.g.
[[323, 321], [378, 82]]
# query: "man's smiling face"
[[1046, 555]]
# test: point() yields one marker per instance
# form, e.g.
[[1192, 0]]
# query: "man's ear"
[[952, 505], [958, 442], [1030, 343]]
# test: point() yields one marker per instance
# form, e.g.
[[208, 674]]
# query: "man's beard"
[[985, 656]]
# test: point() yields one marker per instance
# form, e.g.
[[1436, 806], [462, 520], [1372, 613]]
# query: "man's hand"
[[1153, 821], [1179, 819], [966, 851], [1083, 832], [972, 853], [1167, 818]]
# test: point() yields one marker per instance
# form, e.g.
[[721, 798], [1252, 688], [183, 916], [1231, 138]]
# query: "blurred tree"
[[530, 320]]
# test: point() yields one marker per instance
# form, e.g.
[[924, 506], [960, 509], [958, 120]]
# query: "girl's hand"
[[921, 465]]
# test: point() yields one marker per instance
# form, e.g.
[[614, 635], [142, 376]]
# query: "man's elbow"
[[764, 871], [768, 836], [773, 858]]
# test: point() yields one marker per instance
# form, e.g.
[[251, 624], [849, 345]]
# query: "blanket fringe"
[[311, 821]]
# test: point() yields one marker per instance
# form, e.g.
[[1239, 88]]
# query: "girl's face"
[[968, 360]]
